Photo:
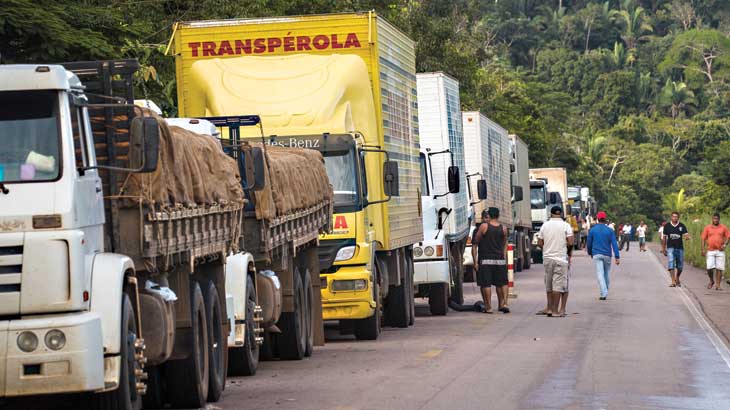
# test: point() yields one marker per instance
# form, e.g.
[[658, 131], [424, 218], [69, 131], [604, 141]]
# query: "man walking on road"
[[673, 238], [556, 240], [625, 236], [491, 240], [641, 231], [714, 241], [601, 243]]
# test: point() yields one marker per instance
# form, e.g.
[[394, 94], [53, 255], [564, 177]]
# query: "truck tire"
[[291, 342], [155, 396], [397, 309], [526, 255], [188, 379], [411, 290], [308, 298], [125, 397], [517, 263], [217, 343], [244, 360], [457, 269], [438, 299], [537, 256], [266, 350], [369, 328]]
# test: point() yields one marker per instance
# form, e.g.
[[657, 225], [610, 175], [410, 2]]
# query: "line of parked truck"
[[313, 176]]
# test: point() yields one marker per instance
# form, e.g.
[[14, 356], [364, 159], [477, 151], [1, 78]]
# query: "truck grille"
[[11, 267]]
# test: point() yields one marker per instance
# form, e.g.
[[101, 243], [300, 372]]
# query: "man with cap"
[[556, 240], [491, 242], [601, 246]]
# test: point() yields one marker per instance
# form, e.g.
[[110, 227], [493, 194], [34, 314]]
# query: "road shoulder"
[[714, 304]]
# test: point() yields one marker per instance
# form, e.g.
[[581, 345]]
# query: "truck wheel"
[[243, 361], [457, 269], [526, 259], [411, 292], [187, 379], [438, 299], [125, 397], [397, 309], [518, 263], [369, 328], [266, 350], [308, 298], [155, 396], [537, 256], [217, 344], [291, 342]]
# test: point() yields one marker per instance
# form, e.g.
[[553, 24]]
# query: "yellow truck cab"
[[343, 84]]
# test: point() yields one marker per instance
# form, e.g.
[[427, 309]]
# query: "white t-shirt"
[[555, 234], [641, 230], [627, 229], [612, 226]]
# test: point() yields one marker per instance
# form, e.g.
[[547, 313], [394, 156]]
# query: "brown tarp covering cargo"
[[296, 179], [192, 171]]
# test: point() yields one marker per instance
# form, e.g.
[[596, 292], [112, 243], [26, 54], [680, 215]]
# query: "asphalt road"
[[646, 347]]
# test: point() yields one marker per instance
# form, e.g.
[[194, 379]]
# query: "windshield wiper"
[[3, 189]]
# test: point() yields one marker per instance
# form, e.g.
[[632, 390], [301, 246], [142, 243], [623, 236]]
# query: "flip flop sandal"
[[560, 315], [489, 312], [672, 285], [541, 313], [504, 309]]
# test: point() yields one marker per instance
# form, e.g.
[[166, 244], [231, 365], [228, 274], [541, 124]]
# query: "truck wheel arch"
[[107, 287]]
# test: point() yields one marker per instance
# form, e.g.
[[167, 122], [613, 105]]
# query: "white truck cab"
[[56, 282]]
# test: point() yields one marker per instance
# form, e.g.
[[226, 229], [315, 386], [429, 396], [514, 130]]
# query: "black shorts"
[[492, 275]]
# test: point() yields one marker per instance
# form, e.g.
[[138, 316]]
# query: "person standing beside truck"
[[556, 240], [625, 236], [491, 240], [601, 246], [673, 247], [715, 238]]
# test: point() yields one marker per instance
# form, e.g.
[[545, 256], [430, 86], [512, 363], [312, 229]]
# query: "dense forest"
[[631, 96]]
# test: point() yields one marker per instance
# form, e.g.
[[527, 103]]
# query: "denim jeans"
[[603, 271]]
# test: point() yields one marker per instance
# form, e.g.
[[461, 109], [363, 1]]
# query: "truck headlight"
[[55, 339], [428, 251], [418, 251], [349, 285], [345, 253], [27, 341]]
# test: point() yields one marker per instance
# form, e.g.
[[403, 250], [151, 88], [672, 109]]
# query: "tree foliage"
[[632, 96]]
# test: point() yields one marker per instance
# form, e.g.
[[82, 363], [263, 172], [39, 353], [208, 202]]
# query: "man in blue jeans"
[[673, 247], [601, 242]]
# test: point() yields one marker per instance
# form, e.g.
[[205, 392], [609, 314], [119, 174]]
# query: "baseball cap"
[[601, 215]]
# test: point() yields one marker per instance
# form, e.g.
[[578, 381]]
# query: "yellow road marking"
[[431, 353]]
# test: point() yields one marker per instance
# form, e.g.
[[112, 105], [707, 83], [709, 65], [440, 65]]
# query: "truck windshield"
[[342, 172], [29, 135], [537, 197]]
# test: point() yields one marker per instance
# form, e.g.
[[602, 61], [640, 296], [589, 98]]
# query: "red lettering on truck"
[[340, 222], [259, 45], [303, 43], [243, 46], [273, 45], [225, 48], [209, 48]]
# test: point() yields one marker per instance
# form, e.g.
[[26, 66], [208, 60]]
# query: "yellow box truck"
[[343, 84]]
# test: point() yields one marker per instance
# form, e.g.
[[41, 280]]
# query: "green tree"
[[677, 98], [633, 22], [700, 56]]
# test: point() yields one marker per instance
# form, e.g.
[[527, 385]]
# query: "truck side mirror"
[[453, 178], [144, 144], [517, 194], [553, 198], [390, 178], [482, 189]]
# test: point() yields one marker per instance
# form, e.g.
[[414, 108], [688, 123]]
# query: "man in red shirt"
[[714, 240]]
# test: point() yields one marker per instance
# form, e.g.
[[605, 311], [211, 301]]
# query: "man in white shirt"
[[625, 236], [641, 231], [556, 240]]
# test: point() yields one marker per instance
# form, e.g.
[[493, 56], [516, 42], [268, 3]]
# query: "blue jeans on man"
[[603, 271], [675, 259]]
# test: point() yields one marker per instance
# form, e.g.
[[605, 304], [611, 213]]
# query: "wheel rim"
[[131, 363], [250, 336]]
